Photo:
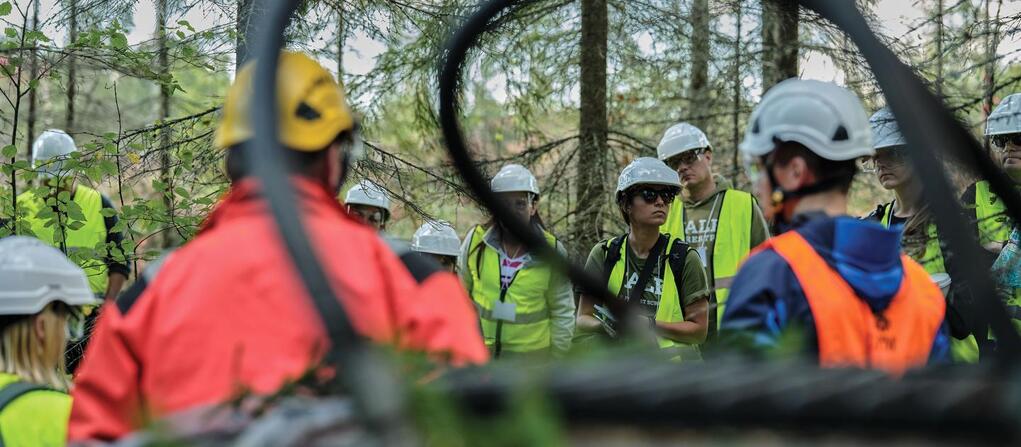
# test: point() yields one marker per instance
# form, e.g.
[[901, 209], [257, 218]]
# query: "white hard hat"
[[438, 238], [885, 131], [33, 274], [368, 193], [681, 138], [1006, 117], [827, 119], [647, 171], [514, 178], [49, 152]]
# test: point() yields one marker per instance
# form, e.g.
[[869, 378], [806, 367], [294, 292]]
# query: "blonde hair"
[[26, 356]]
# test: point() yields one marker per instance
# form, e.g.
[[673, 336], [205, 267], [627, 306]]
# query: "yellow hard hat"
[[312, 107]]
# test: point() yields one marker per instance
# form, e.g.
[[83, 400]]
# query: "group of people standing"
[[697, 265]]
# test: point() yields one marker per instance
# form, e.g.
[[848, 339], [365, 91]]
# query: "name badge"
[[504, 311], [703, 256]]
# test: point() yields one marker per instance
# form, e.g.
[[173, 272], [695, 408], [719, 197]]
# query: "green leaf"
[[74, 225], [180, 34], [118, 40], [108, 212], [11, 32], [5, 8], [9, 151]]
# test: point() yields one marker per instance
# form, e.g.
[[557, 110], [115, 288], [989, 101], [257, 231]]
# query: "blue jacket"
[[766, 297]]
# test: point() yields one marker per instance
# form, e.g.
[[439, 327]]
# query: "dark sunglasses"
[[1002, 140], [649, 195]]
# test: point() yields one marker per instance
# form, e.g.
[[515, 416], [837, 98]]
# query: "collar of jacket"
[[244, 198], [722, 184], [492, 238]]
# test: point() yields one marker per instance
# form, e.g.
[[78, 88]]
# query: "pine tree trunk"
[[165, 174], [592, 126], [71, 67], [737, 91], [779, 41], [939, 48], [340, 44], [698, 88], [33, 73], [249, 12]]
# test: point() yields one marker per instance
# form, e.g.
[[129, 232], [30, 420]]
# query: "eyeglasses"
[[1000, 141], [886, 157], [685, 158], [649, 195]]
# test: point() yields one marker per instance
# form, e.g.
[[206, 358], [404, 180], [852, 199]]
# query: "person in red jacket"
[[227, 311]]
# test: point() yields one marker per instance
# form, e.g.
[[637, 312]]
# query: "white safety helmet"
[[885, 131], [827, 119], [438, 238], [368, 193], [49, 152], [681, 138], [1006, 117], [514, 178], [647, 171], [33, 274]]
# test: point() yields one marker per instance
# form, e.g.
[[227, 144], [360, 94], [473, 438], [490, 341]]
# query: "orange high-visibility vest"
[[849, 333]]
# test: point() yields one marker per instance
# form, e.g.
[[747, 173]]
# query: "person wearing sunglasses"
[[40, 291], [660, 275], [1003, 128], [369, 203], [722, 223], [526, 308], [919, 237], [833, 288], [994, 227]]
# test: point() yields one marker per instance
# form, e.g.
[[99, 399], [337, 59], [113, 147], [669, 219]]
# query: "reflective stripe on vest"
[[991, 214], [732, 242], [669, 309], [85, 245], [932, 260], [530, 330], [849, 334]]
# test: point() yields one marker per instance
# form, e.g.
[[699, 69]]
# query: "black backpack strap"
[[15, 390], [612, 254], [676, 257]]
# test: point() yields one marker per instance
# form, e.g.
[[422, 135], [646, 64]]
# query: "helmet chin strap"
[[788, 200]]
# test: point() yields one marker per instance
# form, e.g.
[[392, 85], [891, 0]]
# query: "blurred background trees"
[[573, 90]]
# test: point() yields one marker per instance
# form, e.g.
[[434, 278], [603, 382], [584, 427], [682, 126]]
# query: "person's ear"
[[708, 154], [39, 326]]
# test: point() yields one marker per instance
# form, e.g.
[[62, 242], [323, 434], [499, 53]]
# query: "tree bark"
[[33, 73], [779, 41], [166, 178], [341, 37], [592, 126], [992, 41], [71, 67], [698, 87], [939, 48], [737, 91], [249, 13]]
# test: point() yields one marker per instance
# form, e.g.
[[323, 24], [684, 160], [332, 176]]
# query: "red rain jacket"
[[227, 312]]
